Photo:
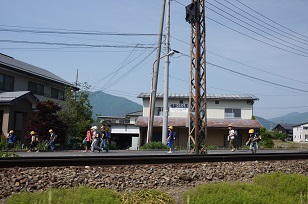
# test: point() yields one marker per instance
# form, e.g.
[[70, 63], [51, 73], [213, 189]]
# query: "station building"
[[222, 110]]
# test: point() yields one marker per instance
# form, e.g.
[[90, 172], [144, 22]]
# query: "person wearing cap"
[[105, 137], [88, 140], [170, 138], [12, 139], [53, 137], [253, 141], [94, 139], [231, 137], [33, 141]]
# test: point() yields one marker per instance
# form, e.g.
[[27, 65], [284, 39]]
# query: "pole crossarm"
[[197, 97]]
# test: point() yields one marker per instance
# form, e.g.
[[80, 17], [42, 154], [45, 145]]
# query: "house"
[[300, 132], [222, 110], [286, 129], [21, 86], [123, 131]]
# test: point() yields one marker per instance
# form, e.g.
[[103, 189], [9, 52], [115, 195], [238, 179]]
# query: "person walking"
[[12, 139], [33, 141], [231, 137], [253, 141], [94, 139], [88, 141], [170, 138], [105, 137], [53, 137]]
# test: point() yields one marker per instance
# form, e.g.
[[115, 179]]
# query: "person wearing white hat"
[[231, 137]]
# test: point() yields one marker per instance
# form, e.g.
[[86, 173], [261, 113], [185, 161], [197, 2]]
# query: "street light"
[[153, 96]]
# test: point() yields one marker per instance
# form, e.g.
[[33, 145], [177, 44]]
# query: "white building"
[[222, 109], [300, 133], [123, 130]]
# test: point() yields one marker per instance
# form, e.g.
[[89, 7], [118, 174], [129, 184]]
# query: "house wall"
[[213, 110], [21, 82], [300, 133]]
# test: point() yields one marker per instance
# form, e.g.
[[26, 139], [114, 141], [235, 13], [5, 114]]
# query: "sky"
[[252, 47]]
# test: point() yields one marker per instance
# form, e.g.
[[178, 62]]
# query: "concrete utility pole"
[[195, 15], [154, 77], [166, 78]]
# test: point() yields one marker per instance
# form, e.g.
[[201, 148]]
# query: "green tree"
[[46, 118], [77, 115], [267, 138]]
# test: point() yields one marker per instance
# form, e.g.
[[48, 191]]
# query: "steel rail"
[[144, 159]]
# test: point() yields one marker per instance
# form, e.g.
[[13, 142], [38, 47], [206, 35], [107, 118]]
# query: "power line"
[[76, 32], [256, 78], [262, 34], [256, 38], [262, 22], [270, 19], [76, 45], [261, 70]]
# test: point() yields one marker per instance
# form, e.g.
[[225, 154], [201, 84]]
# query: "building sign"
[[179, 107]]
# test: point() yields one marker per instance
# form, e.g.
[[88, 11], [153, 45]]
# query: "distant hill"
[[269, 125], [292, 118], [109, 105]]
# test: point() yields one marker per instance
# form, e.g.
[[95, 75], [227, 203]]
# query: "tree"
[[76, 114], [46, 118]]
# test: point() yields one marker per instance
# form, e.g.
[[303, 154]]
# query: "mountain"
[[292, 118], [109, 105], [266, 123]]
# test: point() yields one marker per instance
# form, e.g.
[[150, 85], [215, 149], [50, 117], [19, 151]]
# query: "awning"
[[211, 123]]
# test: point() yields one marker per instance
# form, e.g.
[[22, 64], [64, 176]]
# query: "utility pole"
[[166, 78], [154, 77], [195, 15]]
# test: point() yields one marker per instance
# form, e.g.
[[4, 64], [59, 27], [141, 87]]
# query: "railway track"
[[144, 159]]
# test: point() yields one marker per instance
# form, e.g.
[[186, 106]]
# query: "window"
[[305, 128], [216, 102], [181, 101], [6, 83], [36, 88], [57, 94], [232, 113]]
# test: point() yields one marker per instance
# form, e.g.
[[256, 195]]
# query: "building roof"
[[19, 66], [10, 98], [285, 126], [211, 123], [208, 96]]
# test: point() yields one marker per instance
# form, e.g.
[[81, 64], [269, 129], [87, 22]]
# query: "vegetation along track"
[[144, 159]]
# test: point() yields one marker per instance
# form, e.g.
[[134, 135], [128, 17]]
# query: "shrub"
[[147, 196], [42, 145], [3, 142], [8, 154], [212, 147], [154, 145]]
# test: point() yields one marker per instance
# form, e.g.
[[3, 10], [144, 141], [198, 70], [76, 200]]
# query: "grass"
[[62, 196], [278, 144], [272, 188], [268, 188], [147, 196]]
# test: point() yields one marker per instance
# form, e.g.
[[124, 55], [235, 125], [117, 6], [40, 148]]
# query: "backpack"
[[99, 135], [174, 135], [107, 135], [235, 133]]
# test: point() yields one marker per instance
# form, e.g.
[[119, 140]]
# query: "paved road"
[[139, 152]]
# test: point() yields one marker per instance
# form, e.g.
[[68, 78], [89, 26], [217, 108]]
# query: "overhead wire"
[[300, 51], [259, 24], [271, 19], [261, 70]]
